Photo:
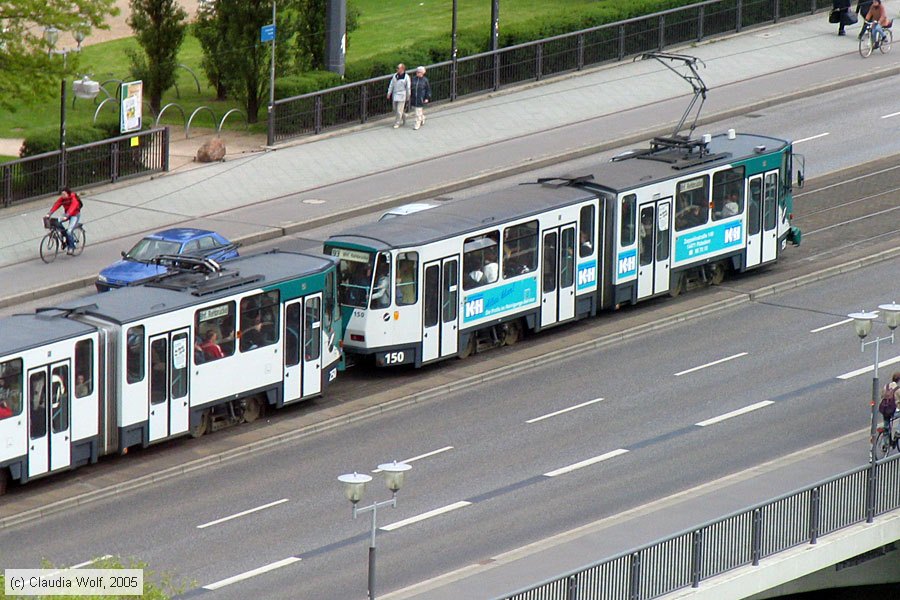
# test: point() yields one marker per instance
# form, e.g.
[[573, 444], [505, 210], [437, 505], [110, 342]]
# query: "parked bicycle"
[[55, 240], [868, 43], [886, 440]]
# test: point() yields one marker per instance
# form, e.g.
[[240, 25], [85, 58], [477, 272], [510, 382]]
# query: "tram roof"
[[125, 305], [633, 172], [22, 332], [458, 218]]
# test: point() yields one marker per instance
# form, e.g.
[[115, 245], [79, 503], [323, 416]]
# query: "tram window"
[[626, 237], [381, 287], [692, 203], [214, 328], [59, 399], [355, 276], [451, 291], [330, 294], [179, 365], [134, 354], [159, 358], [432, 295], [10, 388], [550, 252], [586, 235], [407, 289], [84, 368], [259, 320], [728, 193], [312, 344], [567, 258], [480, 260], [786, 178], [770, 212], [754, 203], [645, 243], [662, 231], [37, 387], [292, 334], [520, 249]]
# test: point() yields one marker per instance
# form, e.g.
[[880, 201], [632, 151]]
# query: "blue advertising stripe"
[[694, 244], [587, 275], [626, 265], [493, 301]]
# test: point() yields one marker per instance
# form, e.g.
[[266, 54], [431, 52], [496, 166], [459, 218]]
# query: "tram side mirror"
[[125, 254], [800, 178]]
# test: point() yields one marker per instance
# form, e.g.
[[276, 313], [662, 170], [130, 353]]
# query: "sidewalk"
[[265, 194]]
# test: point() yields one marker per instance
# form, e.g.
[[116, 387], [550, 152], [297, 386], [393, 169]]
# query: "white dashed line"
[[81, 564], [713, 363], [586, 463], [810, 138], [735, 413], [890, 115], [242, 513], [421, 456], [838, 324], [426, 515], [565, 410], [247, 575], [869, 369]]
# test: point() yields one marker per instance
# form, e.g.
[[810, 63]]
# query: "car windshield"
[[356, 275], [149, 248]]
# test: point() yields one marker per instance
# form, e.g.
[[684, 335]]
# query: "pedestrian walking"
[[840, 14], [421, 95], [398, 93]]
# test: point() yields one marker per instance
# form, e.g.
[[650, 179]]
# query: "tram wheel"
[[512, 332], [678, 286], [252, 409], [202, 427], [717, 273], [4, 480], [469, 350]]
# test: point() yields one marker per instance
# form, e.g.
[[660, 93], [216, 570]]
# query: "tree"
[[209, 32], [27, 73], [160, 26]]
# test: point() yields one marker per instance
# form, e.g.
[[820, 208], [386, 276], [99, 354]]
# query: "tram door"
[[654, 242], [168, 382], [558, 275], [312, 344], [439, 309], [762, 218], [49, 403], [302, 341], [770, 217]]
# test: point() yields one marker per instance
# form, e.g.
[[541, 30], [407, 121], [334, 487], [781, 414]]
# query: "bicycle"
[[56, 239], [885, 440], [867, 42]]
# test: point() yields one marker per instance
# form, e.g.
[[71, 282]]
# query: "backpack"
[[80, 202], [888, 404]]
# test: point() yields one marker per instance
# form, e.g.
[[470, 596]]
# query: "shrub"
[[312, 81], [47, 140]]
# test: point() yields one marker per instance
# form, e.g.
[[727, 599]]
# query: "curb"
[[442, 390]]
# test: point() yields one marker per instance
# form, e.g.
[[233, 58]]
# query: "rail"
[[490, 71], [739, 539]]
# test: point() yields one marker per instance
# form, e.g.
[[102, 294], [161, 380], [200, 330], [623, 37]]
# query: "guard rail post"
[[739, 15], [777, 10], [7, 185], [270, 127], [580, 53], [363, 104], [696, 556], [165, 149], [453, 66], [812, 7], [814, 503], [113, 162], [62, 168], [317, 127], [572, 588], [538, 61], [621, 42], [701, 16], [870, 492], [662, 32], [756, 537], [634, 580], [496, 69]]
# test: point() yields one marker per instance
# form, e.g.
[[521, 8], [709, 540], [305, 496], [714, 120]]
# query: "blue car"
[[137, 266]]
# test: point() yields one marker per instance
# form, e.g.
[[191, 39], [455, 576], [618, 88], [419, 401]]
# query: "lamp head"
[[394, 473], [862, 322], [354, 486], [51, 35], [79, 36], [891, 314]]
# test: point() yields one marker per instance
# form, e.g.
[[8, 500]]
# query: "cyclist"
[[878, 16], [889, 397], [71, 205]]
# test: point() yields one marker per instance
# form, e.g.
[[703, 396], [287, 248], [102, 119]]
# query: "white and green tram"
[[478, 272]]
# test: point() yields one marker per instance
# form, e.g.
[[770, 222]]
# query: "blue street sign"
[[267, 33]]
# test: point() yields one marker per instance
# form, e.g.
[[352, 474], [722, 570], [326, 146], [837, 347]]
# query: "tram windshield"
[[355, 275]]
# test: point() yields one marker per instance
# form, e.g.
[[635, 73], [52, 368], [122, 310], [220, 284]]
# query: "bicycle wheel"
[[80, 240], [885, 46], [882, 445], [49, 248], [865, 45]]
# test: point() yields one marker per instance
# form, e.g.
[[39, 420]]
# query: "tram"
[[479, 272], [202, 347]]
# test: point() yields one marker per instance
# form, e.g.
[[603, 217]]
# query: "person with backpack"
[[71, 205], [890, 396]]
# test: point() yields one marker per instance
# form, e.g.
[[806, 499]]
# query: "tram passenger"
[[491, 269], [252, 335], [689, 216], [381, 291], [645, 246], [82, 388], [586, 247], [5, 410], [7, 406], [211, 349]]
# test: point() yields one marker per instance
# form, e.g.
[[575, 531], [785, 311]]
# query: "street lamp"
[[51, 35], [355, 486]]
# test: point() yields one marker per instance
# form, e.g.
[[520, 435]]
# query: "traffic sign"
[[267, 33]]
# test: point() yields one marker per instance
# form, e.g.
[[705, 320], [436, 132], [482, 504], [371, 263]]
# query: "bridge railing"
[[490, 71], [739, 539]]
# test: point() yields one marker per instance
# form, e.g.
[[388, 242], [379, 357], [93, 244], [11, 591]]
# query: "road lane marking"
[[242, 513], [81, 564], [838, 324], [586, 463], [248, 574], [426, 515], [713, 363], [735, 413], [810, 138], [849, 221], [846, 182], [890, 115], [426, 455], [869, 369], [565, 410]]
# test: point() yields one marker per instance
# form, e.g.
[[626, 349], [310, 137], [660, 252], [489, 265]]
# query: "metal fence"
[[358, 102], [739, 539], [105, 161]]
